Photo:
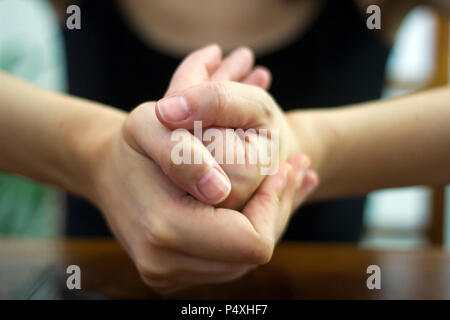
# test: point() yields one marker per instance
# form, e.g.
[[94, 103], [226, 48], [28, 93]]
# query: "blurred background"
[[412, 216], [32, 48]]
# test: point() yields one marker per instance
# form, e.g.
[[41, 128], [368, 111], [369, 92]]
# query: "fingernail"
[[173, 109], [213, 185]]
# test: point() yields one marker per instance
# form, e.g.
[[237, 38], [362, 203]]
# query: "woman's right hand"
[[174, 239]]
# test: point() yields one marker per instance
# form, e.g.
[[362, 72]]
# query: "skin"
[[244, 179], [381, 144], [94, 151], [226, 104], [395, 142]]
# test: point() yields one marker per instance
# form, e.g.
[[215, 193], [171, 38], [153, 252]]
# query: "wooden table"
[[36, 269]]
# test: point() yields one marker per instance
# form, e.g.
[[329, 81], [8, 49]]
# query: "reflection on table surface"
[[36, 269]]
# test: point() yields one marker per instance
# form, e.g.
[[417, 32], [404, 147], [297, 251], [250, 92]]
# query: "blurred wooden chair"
[[436, 228]]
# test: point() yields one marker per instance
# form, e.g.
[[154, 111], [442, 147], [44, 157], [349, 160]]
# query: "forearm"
[[50, 137], [396, 142]]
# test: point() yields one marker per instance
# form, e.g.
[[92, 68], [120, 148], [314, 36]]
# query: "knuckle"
[[129, 126], [136, 114], [220, 96], [160, 287], [133, 121], [157, 230], [170, 167], [152, 274], [268, 199], [266, 104], [148, 274], [156, 277]]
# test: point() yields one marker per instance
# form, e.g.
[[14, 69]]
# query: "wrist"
[[90, 145], [311, 137]]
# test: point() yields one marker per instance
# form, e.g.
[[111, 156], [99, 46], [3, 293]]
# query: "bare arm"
[[396, 142], [48, 136]]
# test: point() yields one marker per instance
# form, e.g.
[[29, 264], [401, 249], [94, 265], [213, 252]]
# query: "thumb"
[[222, 104]]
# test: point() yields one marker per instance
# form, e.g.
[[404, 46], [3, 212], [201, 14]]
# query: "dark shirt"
[[337, 61]]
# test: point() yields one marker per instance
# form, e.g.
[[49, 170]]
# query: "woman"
[[122, 163], [320, 53]]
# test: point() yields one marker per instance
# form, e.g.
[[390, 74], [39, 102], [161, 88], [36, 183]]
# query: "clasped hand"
[[191, 224]]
